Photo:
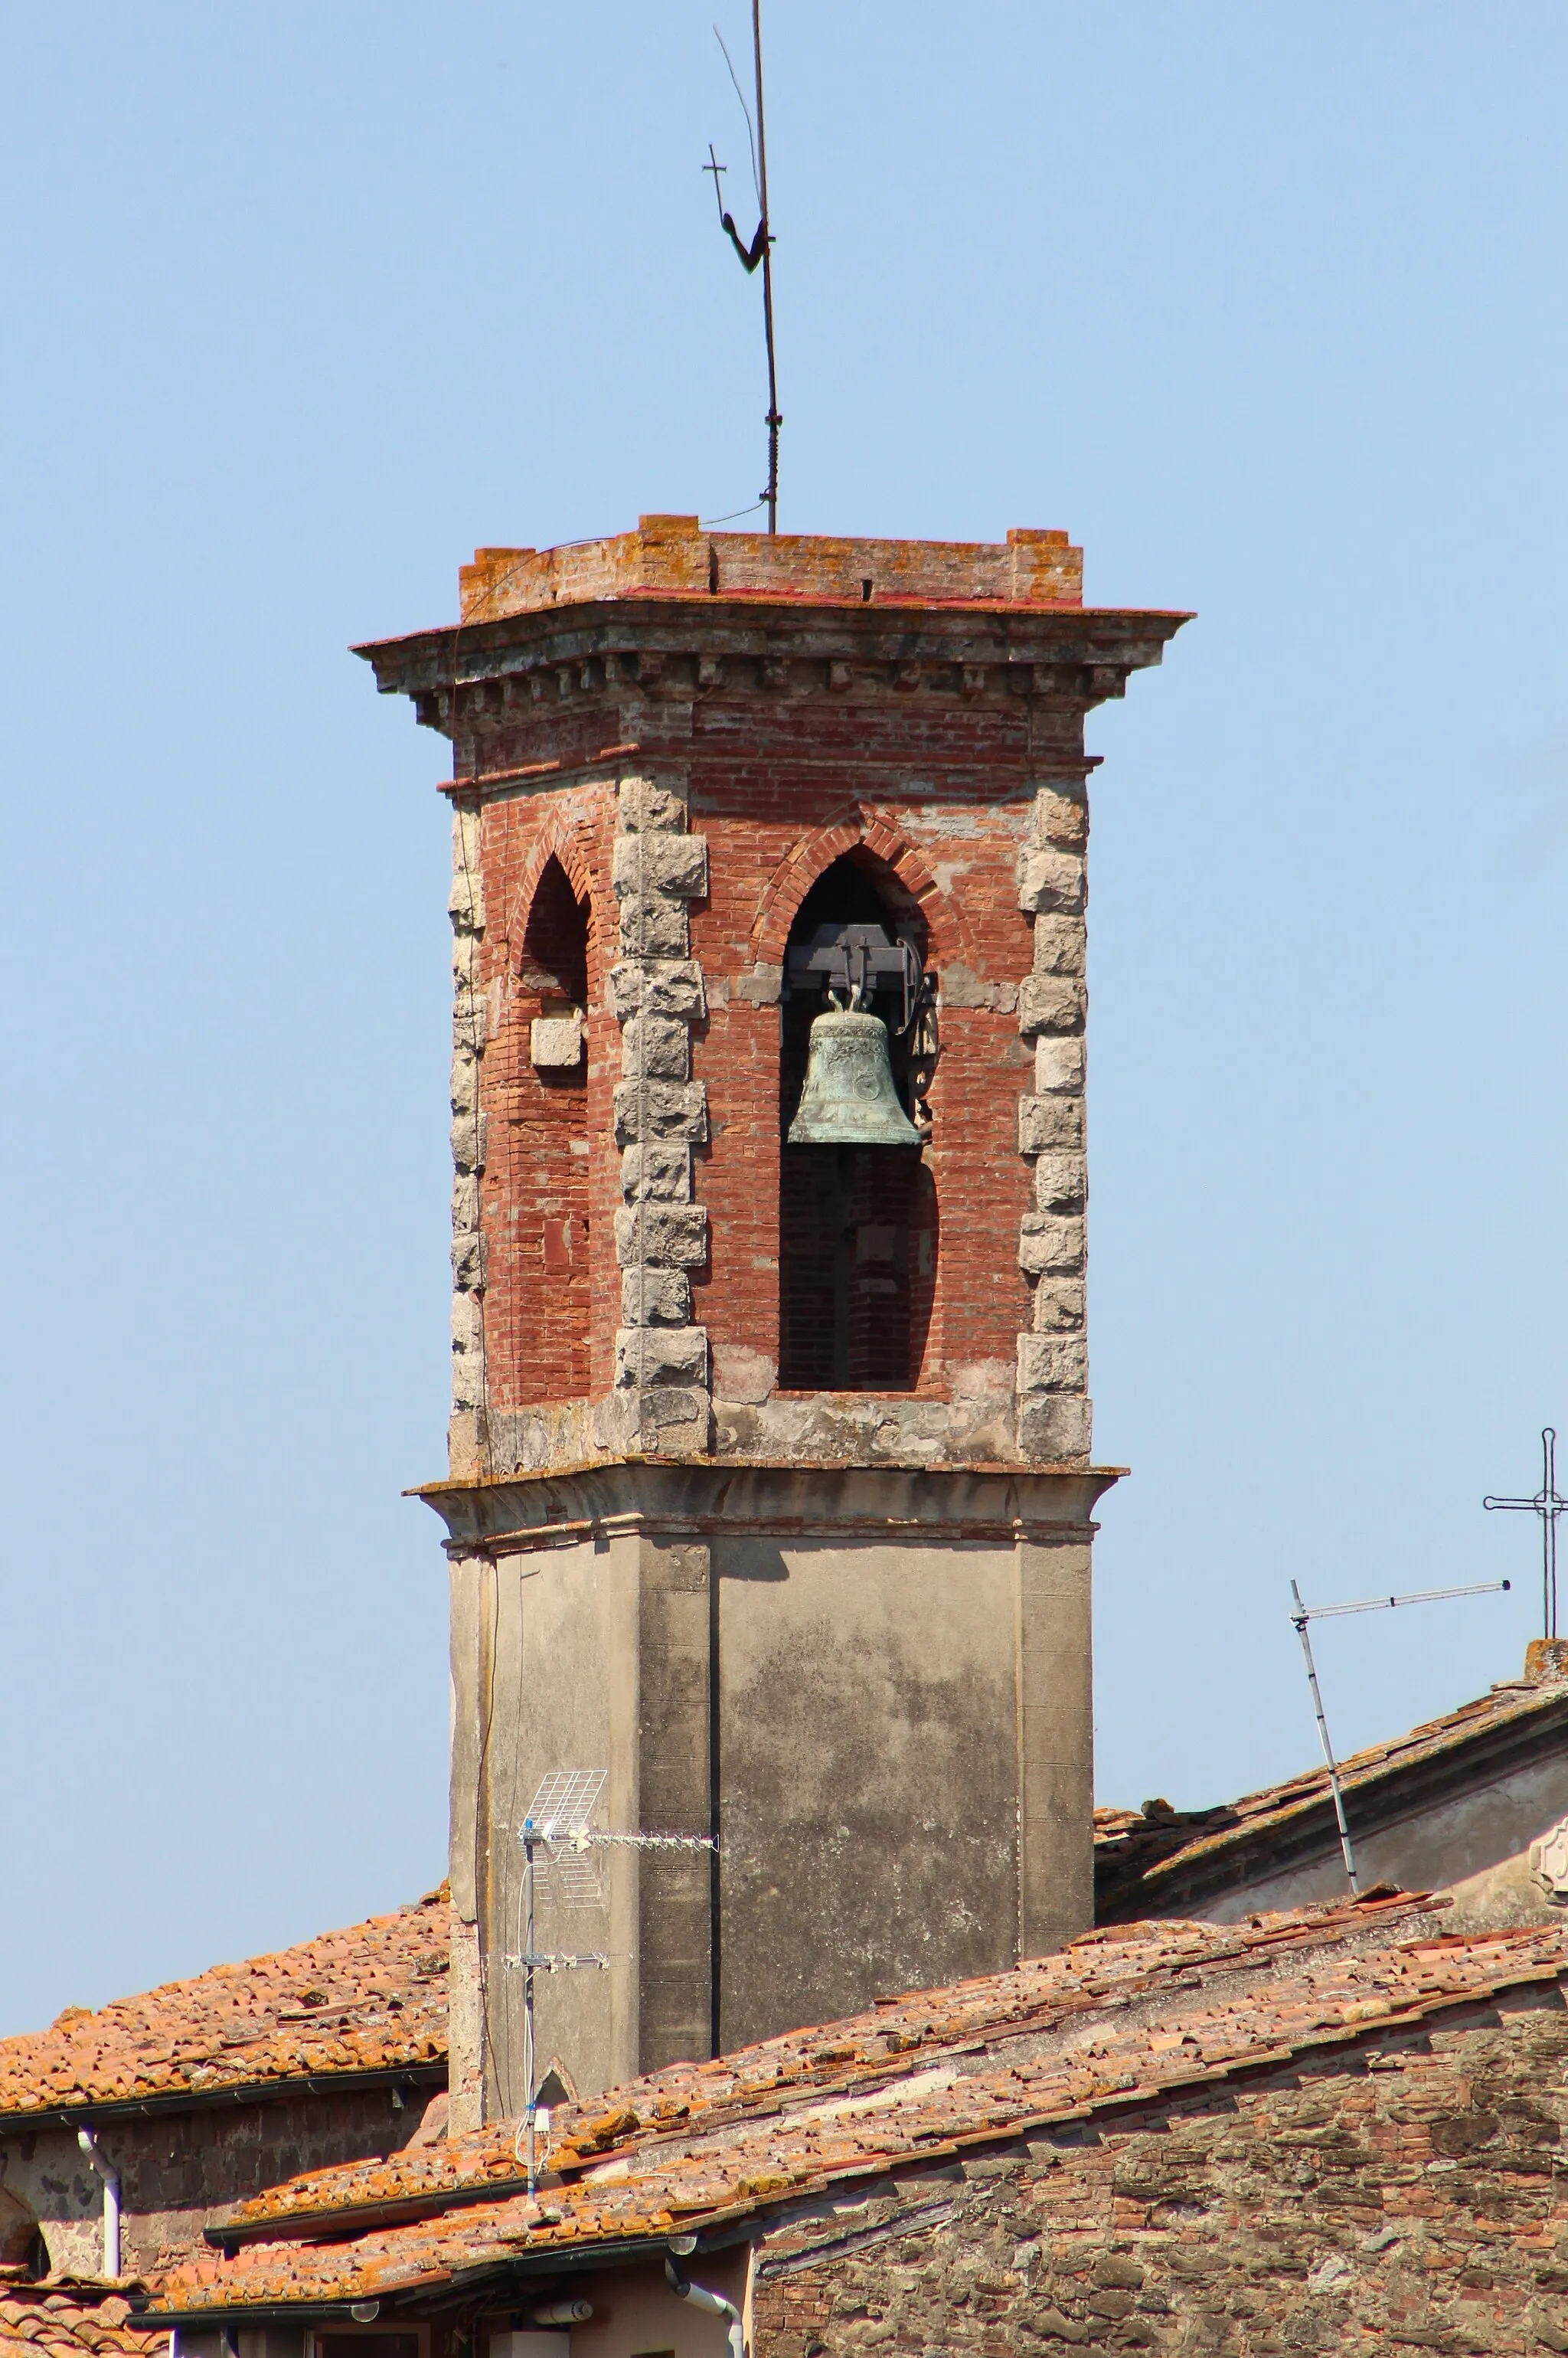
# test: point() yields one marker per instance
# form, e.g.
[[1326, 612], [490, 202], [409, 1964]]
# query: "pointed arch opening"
[[858, 1223], [549, 1148]]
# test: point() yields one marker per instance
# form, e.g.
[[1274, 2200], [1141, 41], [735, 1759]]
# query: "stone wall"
[[1400, 2195], [179, 2169]]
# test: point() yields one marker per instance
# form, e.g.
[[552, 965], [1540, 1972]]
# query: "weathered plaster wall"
[[178, 2170], [890, 1736], [1404, 2195]]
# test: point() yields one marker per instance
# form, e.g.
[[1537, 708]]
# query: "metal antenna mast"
[[1548, 1503], [1300, 1615], [557, 1839], [761, 248]]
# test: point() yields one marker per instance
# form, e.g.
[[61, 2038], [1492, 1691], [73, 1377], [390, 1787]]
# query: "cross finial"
[[1548, 1503]]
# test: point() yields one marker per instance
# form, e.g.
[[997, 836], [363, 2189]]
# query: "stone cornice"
[[703, 1498], [691, 648]]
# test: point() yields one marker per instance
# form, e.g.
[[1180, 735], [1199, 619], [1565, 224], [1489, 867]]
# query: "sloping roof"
[[370, 1998], [69, 2318], [1119, 2018], [1157, 1856]]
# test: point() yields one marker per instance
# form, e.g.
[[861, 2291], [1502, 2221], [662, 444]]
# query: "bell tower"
[[770, 1488]]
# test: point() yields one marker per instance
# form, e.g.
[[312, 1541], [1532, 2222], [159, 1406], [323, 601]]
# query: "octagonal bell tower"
[[769, 1482]]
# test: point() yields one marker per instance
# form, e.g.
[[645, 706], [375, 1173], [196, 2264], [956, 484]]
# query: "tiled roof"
[[369, 1998], [67, 2319], [1120, 2018], [1139, 1855]]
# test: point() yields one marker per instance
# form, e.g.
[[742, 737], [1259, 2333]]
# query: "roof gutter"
[[245, 2091]]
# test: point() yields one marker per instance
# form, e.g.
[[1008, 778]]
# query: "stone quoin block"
[[660, 1170], [1053, 1427], [643, 805], [1049, 1241], [1062, 819], [655, 1297], [656, 1046], [673, 1234], [1049, 878], [653, 926], [1048, 1002], [1051, 1363], [661, 1355], [1058, 1305], [675, 864], [1058, 1066], [1059, 945], [667, 987], [1061, 1181], [471, 1136], [661, 1109], [1044, 1122]]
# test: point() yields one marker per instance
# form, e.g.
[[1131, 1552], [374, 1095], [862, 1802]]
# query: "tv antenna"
[[1548, 1503], [761, 248], [558, 1845], [1300, 1615]]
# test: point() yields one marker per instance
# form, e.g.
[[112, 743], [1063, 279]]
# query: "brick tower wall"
[[692, 767]]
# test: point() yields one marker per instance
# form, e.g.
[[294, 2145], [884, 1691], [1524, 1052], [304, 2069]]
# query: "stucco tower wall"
[[872, 1687]]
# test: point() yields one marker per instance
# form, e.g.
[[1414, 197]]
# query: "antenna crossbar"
[[1382, 1603]]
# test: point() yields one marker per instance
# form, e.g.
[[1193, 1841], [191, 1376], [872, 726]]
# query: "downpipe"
[[88, 2144], [713, 2302]]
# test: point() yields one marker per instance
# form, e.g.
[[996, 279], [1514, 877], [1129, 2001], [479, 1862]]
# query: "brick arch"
[[560, 840], [947, 932]]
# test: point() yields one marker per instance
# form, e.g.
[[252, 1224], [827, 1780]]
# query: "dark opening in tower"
[[858, 1223], [549, 1146]]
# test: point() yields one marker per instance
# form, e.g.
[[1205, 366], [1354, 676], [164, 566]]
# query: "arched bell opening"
[[857, 1219], [548, 1144]]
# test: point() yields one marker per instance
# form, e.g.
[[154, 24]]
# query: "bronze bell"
[[848, 1099]]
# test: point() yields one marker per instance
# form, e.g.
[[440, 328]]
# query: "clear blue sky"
[[1265, 305]]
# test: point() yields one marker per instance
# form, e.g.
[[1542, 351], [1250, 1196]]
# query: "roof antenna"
[[1300, 1615], [761, 248]]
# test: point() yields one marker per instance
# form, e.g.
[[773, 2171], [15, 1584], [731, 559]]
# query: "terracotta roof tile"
[[1123, 2015], [70, 2316], [369, 1998], [1137, 1851]]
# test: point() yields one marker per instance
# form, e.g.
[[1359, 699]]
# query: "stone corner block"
[[1051, 1002], [657, 1357], [1049, 878], [1044, 1122], [673, 864], [657, 986], [655, 1297], [662, 1108], [645, 807], [1051, 1363], [1051, 1243], [660, 1170], [1053, 1427], [656, 1048], [667, 1236]]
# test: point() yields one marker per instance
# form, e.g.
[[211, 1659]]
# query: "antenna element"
[[761, 248]]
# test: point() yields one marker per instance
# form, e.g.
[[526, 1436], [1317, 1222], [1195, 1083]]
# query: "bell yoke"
[[849, 1097]]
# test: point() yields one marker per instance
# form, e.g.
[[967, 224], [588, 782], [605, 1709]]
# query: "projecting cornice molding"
[[689, 651]]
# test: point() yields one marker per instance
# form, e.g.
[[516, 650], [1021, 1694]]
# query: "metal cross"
[[1548, 1503]]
